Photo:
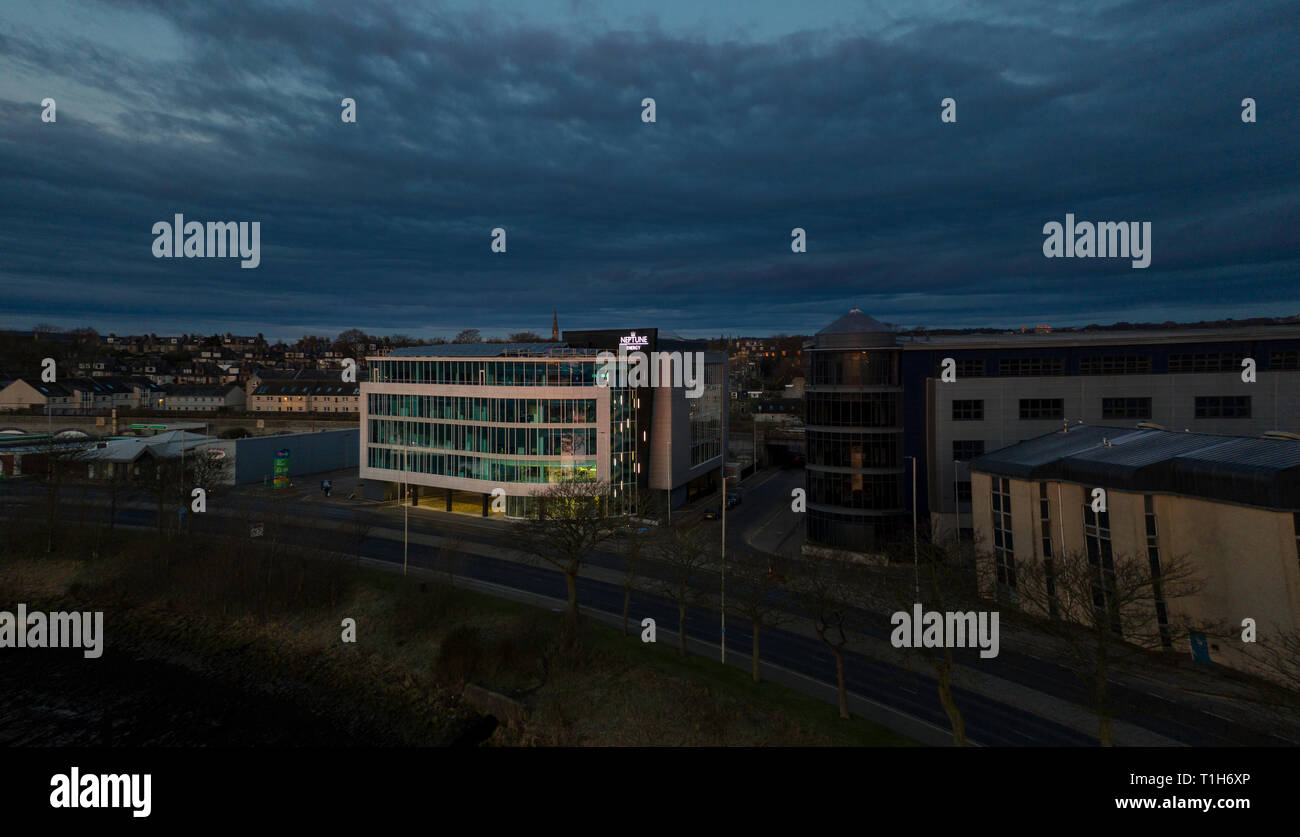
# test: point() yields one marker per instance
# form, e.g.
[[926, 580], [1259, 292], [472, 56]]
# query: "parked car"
[[711, 514], [733, 499]]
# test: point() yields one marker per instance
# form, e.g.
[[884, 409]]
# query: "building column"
[[448, 490], [487, 498]]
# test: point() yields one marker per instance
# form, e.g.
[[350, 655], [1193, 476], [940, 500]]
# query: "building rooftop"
[[490, 350], [856, 322], [1117, 337], [1246, 470], [164, 445]]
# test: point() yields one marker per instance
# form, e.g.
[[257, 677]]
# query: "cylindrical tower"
[[855, 474]]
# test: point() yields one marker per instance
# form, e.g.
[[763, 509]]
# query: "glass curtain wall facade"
[[855, 473], [497, 439], [706, 416]]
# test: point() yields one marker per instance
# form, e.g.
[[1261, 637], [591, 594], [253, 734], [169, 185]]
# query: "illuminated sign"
[[634, 339]]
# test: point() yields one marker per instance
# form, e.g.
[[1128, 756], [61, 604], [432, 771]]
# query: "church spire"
[[555, 325]]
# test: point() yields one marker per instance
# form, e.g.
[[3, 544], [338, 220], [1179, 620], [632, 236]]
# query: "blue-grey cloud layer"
[[469, 119]]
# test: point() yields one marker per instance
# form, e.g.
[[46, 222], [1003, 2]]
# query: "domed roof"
[[855, 322], [855, 330]]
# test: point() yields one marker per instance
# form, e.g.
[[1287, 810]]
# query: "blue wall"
[[309, 453]]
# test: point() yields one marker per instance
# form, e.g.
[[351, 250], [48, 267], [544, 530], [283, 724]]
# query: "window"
[[1223, 406], [967, 368], [964, 450], [852, 409], [1126, 408], [972, 410], [1031, 366], [1004, 555], [1096, 534], [1153, 557], [1206, 362], [1045, 532], [1284, 360], [1115, 365], [1042, 408], [963, 491]]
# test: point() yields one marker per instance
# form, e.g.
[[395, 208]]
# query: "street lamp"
[[724, 560], [916, 563], [405, 511]]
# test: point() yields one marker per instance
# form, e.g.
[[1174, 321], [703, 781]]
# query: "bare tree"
[[571, 519], [1100, 609], [943, 578], [1274, 656], [636, 536], [61, 460], [469, 335], [686, 553], [824, 587], [757, 588]]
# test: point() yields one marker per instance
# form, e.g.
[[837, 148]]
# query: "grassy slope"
[[272, 624]]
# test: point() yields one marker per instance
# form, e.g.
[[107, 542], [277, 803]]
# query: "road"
[[988, 721]]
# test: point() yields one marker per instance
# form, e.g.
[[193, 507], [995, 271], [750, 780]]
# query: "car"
[[711, 514], [733, 500]]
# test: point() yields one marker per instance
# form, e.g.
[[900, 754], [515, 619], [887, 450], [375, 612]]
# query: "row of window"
[[486, 372], [521, 441], [504, 410], [479, 468], [855, 532], [1204, 406], [1188, 362], [852, 409], [1101, 560], [856, 491], [856, 368], [855, 450]]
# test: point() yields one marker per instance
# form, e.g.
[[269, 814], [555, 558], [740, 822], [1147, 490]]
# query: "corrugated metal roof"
[[1236, 469]]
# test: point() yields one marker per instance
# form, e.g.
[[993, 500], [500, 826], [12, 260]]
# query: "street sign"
[[1200, 647]]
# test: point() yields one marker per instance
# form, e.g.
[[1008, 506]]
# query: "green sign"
[[281, 469]]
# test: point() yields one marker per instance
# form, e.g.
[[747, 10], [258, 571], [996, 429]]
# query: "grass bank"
[[268, 618]]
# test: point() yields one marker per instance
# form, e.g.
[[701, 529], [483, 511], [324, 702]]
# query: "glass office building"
[[467, 420]]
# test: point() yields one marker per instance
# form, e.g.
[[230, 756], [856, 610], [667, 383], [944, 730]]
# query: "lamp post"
[[724, 560], [405, 511], [916, 563]]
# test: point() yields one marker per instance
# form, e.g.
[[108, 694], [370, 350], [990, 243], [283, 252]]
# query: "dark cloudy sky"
[[771, 115]]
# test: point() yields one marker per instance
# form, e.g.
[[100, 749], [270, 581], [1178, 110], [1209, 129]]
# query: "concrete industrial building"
[[1007, 387], [1010, 387], [458, 421], [1228, 506]]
